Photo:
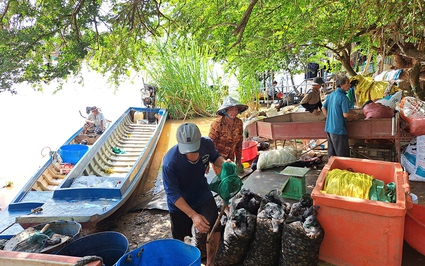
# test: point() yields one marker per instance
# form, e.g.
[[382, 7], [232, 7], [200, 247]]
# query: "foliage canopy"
[[47, 40]]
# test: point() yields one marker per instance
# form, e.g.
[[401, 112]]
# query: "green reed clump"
[[248, 90], [182, 71]]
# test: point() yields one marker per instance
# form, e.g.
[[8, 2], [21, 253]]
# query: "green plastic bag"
[[391, 189], [381, 192], [377, 191]]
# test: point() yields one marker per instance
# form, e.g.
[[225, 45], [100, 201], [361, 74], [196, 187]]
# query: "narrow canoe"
[[99, 184]]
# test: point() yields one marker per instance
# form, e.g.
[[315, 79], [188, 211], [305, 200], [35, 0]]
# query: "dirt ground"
[[138, 227]]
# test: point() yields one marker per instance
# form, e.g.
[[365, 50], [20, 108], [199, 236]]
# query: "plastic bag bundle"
[[391, 101], [408, 158], [238, 232], [347, 183], [413, 159], [247, 200], [416, 126], [265, 247], [276, 158], [411, 108], [300, 244], [377, 110], [368, 89]]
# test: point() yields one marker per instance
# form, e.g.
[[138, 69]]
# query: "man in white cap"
[[95, 121], [312, 102], [189, 199]]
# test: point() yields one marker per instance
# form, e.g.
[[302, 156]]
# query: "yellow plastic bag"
[[347, 183], [368, 89]]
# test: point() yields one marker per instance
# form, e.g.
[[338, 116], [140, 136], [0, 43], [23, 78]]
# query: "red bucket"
[[249, 150]]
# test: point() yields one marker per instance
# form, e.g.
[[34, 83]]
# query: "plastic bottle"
[[138, 117]]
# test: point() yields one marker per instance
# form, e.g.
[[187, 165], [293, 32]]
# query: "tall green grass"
[[182, 71]]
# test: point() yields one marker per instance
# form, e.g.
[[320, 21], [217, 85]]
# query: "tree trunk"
[[345, 61], [414, 80], [400, 62]]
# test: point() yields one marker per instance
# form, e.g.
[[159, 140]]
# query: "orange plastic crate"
[[358, 231]]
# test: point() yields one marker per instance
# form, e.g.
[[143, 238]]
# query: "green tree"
[[264, 34], [50, 39]]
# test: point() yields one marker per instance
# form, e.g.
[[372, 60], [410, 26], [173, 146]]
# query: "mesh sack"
[[238, 232], [300, 246], [246, 199], [265, 247]]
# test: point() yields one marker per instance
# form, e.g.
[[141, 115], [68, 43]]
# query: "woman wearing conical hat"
[[227, 131]]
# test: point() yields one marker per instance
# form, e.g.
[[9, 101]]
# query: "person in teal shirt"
[[336, 109]]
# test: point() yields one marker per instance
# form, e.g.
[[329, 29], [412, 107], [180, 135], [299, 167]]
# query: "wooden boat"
[[101, 181]]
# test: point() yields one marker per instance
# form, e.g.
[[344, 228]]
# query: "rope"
[[43, 155], [86, 259]]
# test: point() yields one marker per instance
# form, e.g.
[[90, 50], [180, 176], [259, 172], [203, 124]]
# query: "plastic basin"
[[111, 246], [414, 228], [249, 150], [72, 153], [162, 252]]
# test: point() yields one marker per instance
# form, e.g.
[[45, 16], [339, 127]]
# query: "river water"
[[32, 123]]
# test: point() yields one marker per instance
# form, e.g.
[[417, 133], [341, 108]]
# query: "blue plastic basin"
[[162, 252], [72, 153], [111, 246]]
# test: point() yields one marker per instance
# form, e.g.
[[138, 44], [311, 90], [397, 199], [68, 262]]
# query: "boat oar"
[[34, 243]]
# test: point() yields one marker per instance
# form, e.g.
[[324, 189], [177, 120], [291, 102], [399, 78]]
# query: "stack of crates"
[[382, 152]]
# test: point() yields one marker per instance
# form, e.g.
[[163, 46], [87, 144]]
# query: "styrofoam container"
[[358, 231]]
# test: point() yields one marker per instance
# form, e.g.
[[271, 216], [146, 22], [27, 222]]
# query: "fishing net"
[[228, 183]]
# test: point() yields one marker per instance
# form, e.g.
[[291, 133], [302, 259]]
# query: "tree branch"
[[242, 25]]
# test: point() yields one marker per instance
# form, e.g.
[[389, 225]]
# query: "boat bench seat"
[[45, 186]]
